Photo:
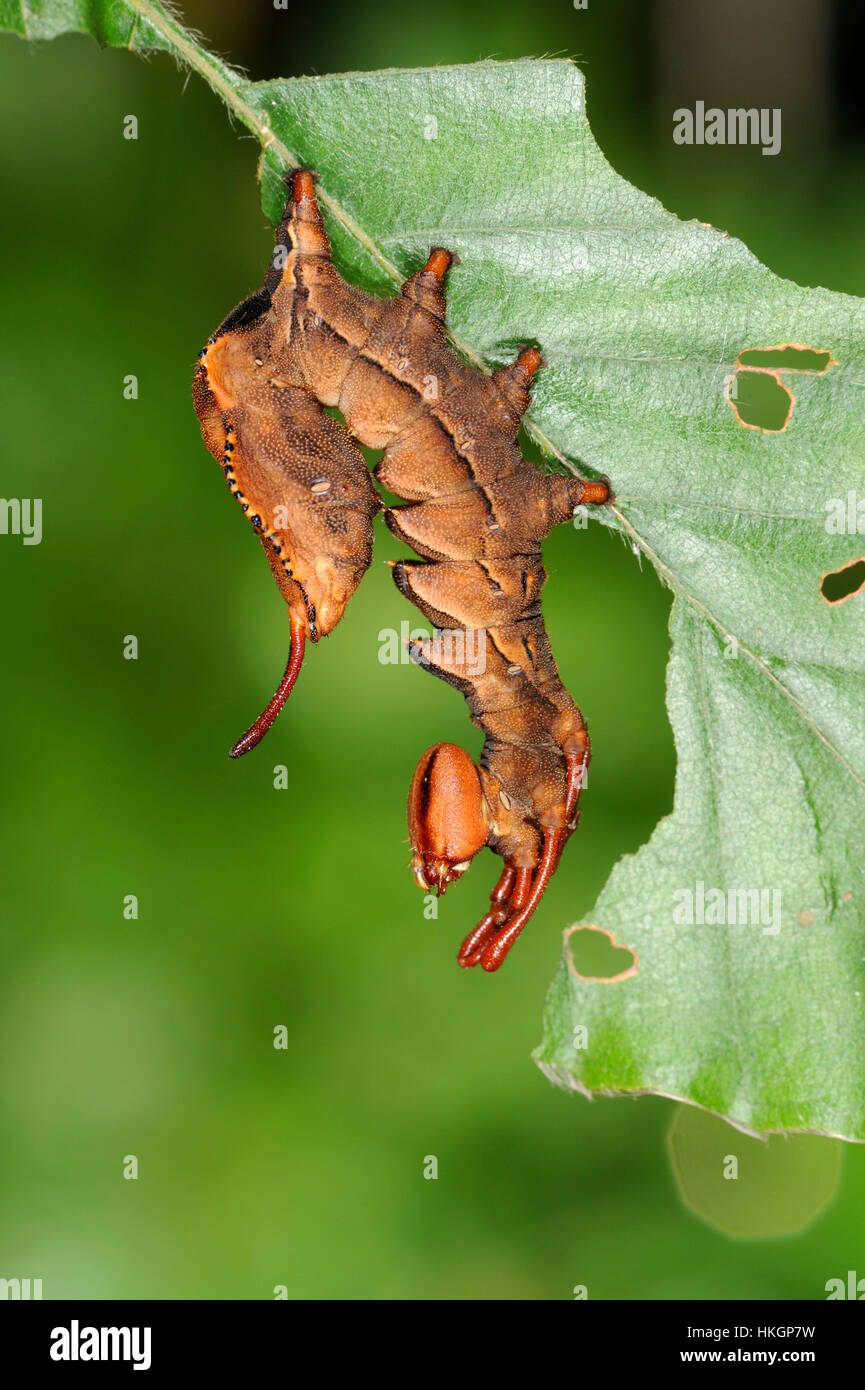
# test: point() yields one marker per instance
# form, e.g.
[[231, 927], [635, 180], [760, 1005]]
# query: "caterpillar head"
[[448, 820]]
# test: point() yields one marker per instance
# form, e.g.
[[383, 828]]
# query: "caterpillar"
[[473, 509]]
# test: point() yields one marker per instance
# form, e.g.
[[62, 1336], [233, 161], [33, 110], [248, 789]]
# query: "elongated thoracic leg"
[[509, 896], [518, 892], [469, 952], [495, 950]]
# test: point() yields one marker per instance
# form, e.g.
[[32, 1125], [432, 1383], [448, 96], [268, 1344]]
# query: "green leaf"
[[111, 22], [642, 319]]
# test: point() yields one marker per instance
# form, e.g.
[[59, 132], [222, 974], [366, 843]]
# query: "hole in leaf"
[[787, 357], [758, 395], [593, 954], [760, 400], [838, 585]]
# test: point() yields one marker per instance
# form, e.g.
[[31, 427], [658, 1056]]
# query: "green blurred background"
[[258, 907]]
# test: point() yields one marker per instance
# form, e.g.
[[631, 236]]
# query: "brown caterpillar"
[[476, 512]]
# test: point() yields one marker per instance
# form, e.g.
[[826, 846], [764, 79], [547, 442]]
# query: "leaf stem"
[[229, 85]]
